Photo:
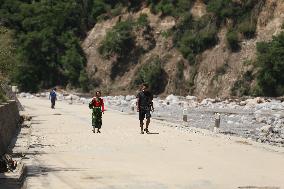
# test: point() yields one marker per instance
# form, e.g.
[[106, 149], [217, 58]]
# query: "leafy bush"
[[166, 34], [235, 10], [193, 37], [142, 21], [3, 97], [151, 73], [118, 41], [248, 29], [242, 87], [72, 63], [48, 49], [116, 10], [270, 77], [174, 8], [84, 81], [8, 54], [233, 40]]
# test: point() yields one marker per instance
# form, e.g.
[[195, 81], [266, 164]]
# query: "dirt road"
[[64, 154]]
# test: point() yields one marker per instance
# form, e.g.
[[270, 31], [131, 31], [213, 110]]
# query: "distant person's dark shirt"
[[144, 99]]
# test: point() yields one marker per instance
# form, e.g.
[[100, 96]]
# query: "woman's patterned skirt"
[[97, 117]]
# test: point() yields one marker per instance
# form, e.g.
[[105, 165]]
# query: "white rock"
[[74, 97], [22, 95], [266, 129], [194, 98], [172, 98], [83, 100], [254, 101], [243, 103], [68, 97], [116, 103], [130, 97], [261, 119], [30, 96], [206, 102], [124, 103], [230, 122], [120, 97]]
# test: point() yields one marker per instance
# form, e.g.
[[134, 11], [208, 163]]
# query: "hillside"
[[218, 70], [206, 48]]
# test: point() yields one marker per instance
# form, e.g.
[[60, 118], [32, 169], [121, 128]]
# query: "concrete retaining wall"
[[9, 118]]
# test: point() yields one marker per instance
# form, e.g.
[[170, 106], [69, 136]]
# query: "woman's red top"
[[98, 103]]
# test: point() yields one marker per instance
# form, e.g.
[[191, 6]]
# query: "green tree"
[[8, 56], [48, 39], [270, 64], [118, 41], [151, 73], [233, 40]]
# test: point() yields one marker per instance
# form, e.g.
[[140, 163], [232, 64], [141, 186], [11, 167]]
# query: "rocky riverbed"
[[260, 119]]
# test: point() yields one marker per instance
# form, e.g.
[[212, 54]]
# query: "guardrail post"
[[184, 115], [217, 122]]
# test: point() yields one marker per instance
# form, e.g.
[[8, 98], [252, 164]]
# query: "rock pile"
[[257, 118]]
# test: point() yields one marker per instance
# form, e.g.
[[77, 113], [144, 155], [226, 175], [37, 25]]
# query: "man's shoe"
[[147, 131]]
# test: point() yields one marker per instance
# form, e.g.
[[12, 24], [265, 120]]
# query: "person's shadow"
[[152, 133]]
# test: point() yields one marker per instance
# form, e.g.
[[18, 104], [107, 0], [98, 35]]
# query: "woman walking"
[[97, 104]]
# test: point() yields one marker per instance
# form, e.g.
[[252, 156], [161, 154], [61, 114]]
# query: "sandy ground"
[[64, 153]]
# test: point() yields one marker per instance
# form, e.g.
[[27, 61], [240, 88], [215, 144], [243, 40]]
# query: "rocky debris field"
[[260, 119]]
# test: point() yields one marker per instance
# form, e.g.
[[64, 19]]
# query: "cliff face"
[[218, 68]]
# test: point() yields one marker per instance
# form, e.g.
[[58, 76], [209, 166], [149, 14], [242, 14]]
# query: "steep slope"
[[114, 79], [220, 69], [217, 73]]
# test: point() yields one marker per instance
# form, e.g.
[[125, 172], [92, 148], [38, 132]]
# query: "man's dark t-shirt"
[[144, 99]]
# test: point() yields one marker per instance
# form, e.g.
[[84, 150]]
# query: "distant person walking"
[[52, 97], [144, 107], [97, 105]]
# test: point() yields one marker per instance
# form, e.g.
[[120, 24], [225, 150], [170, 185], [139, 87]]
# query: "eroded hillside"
[[218, 70]]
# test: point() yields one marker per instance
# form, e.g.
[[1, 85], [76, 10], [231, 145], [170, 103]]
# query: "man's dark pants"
[[52, 102]]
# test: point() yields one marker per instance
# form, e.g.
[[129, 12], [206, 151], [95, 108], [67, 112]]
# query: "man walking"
[[52, 97], [144, 106]]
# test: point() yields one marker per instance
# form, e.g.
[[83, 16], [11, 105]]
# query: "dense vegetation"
[[193, 36], [175, 8], [152, 73], [270, 64], [118, 41], [3, 98], [7, 52], [40, 40], [47, 37], [7, 57]]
